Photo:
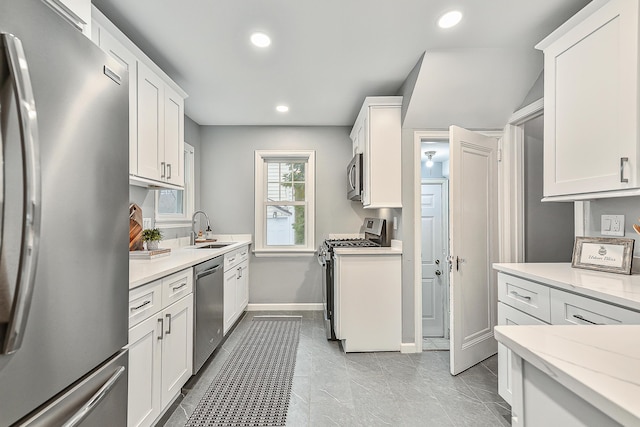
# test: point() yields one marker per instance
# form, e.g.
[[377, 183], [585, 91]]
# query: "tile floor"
[[331, 388], [435, 344]]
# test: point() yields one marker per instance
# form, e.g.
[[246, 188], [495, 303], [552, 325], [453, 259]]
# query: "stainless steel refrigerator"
[[63, 230]]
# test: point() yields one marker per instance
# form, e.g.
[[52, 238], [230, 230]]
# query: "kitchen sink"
[[214, 246]]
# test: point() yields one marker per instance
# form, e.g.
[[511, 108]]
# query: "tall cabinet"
[[156, 111], [377, 135], [591, 129]]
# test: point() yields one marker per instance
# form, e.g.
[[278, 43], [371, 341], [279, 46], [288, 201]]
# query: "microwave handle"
[[351, 176]]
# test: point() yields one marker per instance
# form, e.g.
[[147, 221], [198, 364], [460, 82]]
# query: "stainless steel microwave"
[[354, 178]]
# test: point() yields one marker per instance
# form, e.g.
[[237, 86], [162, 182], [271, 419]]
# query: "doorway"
[[434, 208]]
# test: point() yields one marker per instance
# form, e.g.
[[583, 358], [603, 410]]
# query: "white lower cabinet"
[[367, 302], [236, 285], [525, 302], [160, 345]]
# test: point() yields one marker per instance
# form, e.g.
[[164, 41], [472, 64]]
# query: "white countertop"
[[394, 249], [620, 289], [601, 364], [145, 271]]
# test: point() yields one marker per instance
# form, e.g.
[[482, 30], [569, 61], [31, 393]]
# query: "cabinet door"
[[591, 96], [509, 316], [145, 351], [230, 306], [150, 125], [242, 288], [174, 136], [120, 53], [177, 348]]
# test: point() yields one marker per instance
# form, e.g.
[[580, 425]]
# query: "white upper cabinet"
[[377, 135], [150, 125], [591, 104], [156, 111], [113, 47], [76, 12], [174, 136]]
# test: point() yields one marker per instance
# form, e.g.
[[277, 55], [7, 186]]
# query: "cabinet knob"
[[438, 272]]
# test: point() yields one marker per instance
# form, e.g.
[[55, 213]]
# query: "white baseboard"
[[409, 347], [286, 307]]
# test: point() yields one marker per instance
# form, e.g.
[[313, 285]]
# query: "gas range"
[[350, 243]]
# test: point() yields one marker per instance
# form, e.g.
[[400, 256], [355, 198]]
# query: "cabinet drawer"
[[233, 258], [529, 297], [176, 286], [571, 309], [144, 302]]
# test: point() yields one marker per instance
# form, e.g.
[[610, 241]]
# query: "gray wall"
[[227, 195], [549, 227], [627, 206]]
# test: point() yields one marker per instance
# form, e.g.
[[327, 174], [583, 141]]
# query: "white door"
[[473, 235], [434, 268]]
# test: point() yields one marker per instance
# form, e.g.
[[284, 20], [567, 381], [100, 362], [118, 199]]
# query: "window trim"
[[182, 220], [261, 157]]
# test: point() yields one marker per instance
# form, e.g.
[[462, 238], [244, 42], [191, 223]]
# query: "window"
[[285, 196], [175, 207]]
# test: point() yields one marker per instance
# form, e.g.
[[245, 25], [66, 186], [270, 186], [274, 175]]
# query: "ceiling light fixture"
[[429, 155], [282, 108], [450, 19], [260, 39]]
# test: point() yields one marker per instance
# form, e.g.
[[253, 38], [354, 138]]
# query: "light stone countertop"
[[145, 271], [619, 289], [601, 364]]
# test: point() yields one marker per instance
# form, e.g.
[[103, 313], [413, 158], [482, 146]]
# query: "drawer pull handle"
[[579, 317], [147, 302], [161, 320], [623, 160], [168, 316], [175, 288], [517, 295]]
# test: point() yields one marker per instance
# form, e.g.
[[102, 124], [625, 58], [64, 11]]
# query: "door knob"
[[438, 272]]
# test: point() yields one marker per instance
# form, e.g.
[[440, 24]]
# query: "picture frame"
[[608, 254]]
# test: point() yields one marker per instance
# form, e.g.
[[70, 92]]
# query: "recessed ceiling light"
[[282, 108], [260, 39], [450, 19]]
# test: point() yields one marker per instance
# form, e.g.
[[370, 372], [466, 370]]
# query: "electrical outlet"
[[612, 225], [146, 223]]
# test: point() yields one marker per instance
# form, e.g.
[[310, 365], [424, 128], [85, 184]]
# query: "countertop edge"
[[546, 279], [198, 257], [504, 334]]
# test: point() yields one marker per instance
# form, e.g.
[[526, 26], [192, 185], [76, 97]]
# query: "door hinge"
[[499, 154]]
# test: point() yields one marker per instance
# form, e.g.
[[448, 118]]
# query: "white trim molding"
[[314, 306], [260, 173], [410, 347]]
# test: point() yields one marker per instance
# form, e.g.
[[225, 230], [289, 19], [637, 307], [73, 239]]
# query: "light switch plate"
[[612, 225], [146, 223]]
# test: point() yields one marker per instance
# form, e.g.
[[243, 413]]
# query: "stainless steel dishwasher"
[[209, 283]]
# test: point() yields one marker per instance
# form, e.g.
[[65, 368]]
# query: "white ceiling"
[[325, 57]]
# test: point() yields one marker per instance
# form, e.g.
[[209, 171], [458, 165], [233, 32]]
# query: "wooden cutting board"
[[135, 228]]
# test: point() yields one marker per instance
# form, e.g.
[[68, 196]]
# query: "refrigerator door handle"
[[11, 337], [95, 400]]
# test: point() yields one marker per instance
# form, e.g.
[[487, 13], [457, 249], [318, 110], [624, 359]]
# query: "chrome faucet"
[[193, 225]]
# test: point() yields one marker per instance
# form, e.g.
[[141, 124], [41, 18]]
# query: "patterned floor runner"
[[254, 385]]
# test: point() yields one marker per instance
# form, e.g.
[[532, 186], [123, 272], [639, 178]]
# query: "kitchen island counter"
[[145, 271], [596, 364], [619, 289]]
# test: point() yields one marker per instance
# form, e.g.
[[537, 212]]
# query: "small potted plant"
[[152, 237]]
